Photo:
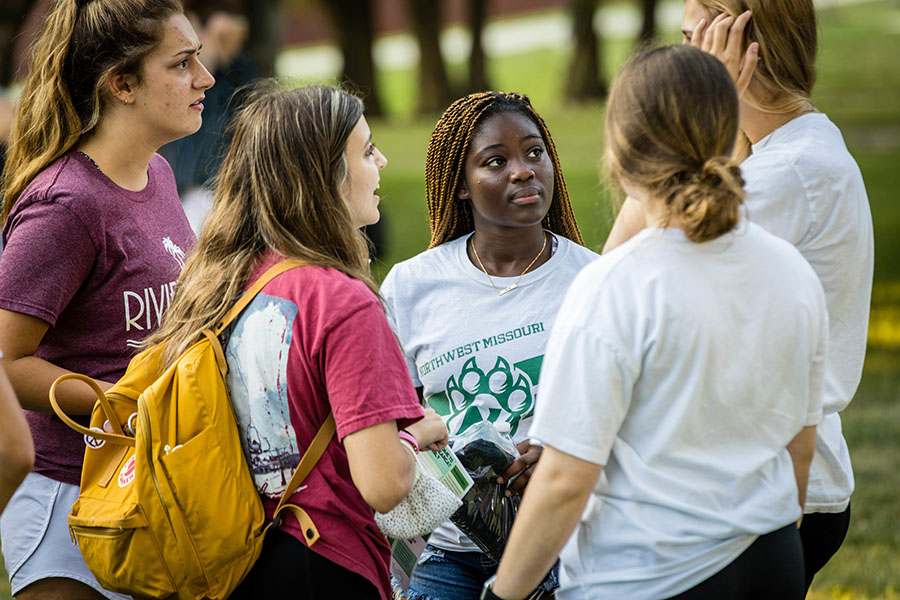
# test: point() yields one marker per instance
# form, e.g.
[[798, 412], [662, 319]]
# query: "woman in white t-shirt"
[[805, 187], [473, 312], [690, 362]]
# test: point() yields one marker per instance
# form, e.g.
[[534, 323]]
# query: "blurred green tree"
[[585, 81]]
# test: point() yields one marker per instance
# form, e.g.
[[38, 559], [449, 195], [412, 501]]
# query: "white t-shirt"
[[685, 369], [477, 355], [803, 186]]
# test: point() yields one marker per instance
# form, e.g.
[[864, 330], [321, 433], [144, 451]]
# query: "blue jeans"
[[448, 575]]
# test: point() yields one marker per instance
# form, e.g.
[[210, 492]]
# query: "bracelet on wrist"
[[410, 439]]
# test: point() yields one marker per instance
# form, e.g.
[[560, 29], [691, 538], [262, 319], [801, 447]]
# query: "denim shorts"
[[449, 575], [35, 534]]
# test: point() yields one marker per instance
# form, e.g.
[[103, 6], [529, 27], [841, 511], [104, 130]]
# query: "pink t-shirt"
[[316, 340], [98, 263]]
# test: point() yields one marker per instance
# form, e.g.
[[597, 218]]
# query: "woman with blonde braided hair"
[[690, 362], [472, 312], [805, 187]]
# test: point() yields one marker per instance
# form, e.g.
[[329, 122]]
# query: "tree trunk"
[[585, 81], [12, 18], [354, 27], [478, 81], [648, 27], [434, 87], [264, 18]]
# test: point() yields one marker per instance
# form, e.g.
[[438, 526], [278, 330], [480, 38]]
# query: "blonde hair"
[[278, 189], [445, 161], [671, 121], [83, 44], [787, 34]]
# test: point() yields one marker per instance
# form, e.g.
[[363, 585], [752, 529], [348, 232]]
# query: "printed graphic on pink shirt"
[[257, 355]]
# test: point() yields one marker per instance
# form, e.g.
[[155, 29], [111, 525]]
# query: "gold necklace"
[[516, 284]]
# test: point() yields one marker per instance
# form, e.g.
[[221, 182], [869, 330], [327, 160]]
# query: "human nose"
[[204, 79], [520, 170], [380, 159]]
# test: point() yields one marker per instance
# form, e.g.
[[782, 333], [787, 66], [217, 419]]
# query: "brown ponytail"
[[671, 121], [709, 203], [82, 44]]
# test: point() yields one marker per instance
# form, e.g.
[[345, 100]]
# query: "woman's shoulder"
[[65, 183], [324, 287], [576, 253], [431, 263], [803, 150]]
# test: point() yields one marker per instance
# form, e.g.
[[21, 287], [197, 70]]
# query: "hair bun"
[[709, 199], [720, 170]]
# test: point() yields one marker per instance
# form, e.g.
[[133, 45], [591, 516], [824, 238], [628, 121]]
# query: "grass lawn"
[[859, 88]]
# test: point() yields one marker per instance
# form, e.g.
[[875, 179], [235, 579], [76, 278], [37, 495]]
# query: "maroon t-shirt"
[[316, 340], [98, 263]]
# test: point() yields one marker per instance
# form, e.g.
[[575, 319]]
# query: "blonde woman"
[[298, 181], [805, 187], [683, 379], [94, 237]]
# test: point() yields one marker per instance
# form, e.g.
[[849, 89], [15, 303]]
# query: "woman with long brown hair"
[[94, 237], [473, 312], [299, 182], [805, 187]]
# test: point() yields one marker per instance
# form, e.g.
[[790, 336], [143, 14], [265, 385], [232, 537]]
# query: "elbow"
[[387, 491]]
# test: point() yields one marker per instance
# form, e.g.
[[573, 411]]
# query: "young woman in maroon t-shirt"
[[94, 236]]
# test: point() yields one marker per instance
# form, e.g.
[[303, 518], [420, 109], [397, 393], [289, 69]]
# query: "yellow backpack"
[[168, 506]]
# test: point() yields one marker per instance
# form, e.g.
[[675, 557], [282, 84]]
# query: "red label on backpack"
[[126, 475]]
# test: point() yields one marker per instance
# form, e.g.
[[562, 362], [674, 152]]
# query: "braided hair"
[[445, 161]]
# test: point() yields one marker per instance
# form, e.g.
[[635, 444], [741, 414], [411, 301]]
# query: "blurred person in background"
[[222, 29]]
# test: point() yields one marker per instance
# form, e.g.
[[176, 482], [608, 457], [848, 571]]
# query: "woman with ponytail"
[[805, 187], [94, 238], [682, 383]]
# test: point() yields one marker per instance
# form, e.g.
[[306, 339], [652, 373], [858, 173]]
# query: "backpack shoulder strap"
[[242, 302], [309, 460]]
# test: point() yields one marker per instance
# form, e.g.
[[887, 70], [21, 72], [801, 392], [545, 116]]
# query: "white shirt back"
[[804, 186], [685, 369]]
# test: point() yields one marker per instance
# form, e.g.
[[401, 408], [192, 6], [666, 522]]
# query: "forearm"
[[16, 446], [551, 508], [381, 468], [802, 449], [31, 378]]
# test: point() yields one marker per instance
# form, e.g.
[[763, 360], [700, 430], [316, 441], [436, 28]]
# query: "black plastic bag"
[[487, 514]]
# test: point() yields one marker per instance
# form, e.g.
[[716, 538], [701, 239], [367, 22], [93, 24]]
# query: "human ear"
[[121, 86], [462, 190]]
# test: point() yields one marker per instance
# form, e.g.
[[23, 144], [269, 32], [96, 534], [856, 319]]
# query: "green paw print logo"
[[504, 393]]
